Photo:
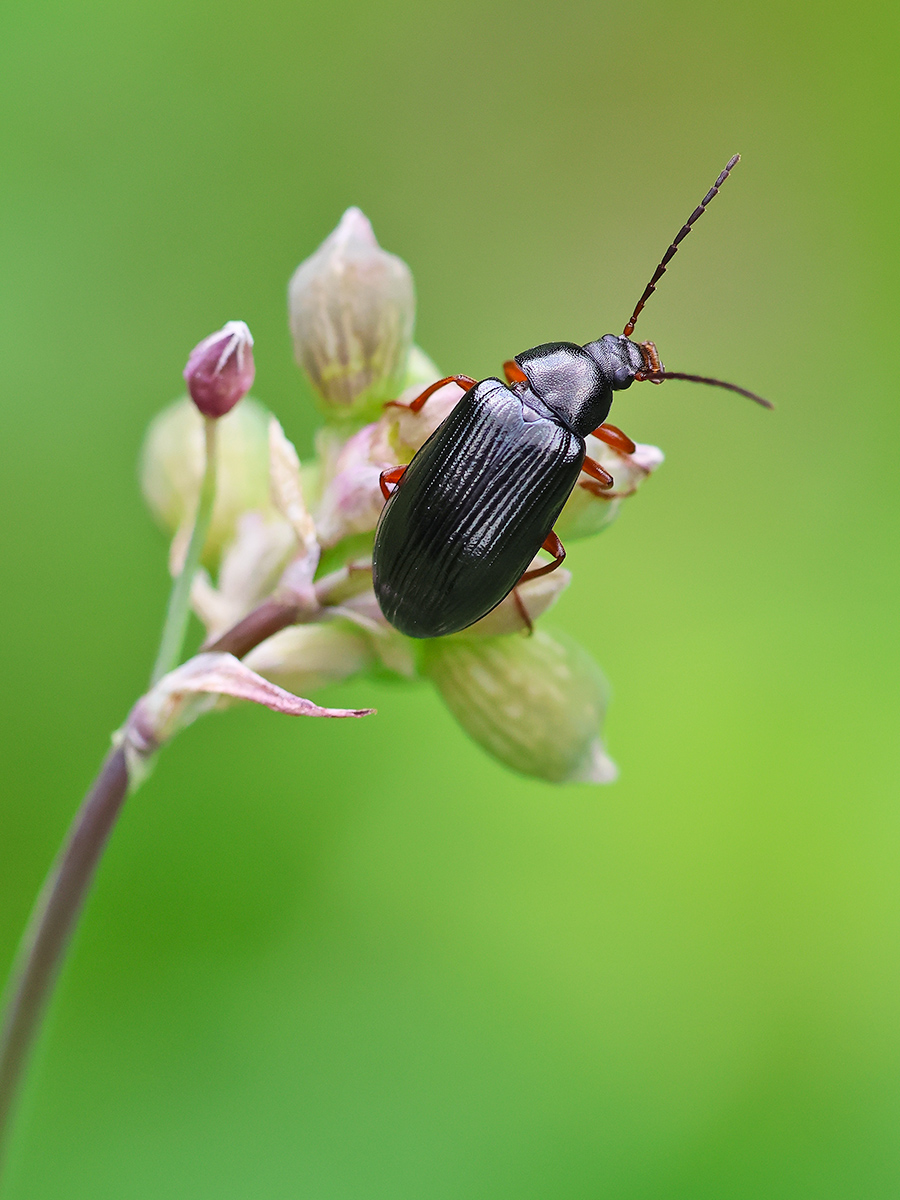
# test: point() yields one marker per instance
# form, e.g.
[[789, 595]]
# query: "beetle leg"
[[599, 489], [463, 381], [615, 438], [553, 546], [513, 372], [523, 611], [597, 472], [391, 476]]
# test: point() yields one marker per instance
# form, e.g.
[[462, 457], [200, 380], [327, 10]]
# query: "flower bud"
[[172, 462], [535, 703], [351, 307], [304, 658], [589, 509], [220, 370]]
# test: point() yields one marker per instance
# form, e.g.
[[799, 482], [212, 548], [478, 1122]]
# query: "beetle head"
[[622, 361]]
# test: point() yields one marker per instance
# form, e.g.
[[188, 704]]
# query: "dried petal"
[[225, 675], [193, 689], [287, 489]]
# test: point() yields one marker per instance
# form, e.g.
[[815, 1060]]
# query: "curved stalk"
[[52, 924], [55, 915]]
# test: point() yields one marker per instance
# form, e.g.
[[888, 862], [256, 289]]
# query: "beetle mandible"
[[478, 501]]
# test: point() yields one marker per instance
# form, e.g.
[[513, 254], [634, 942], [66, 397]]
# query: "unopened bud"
[[220, 370], [352, 307], [304, 658], [536, 703]]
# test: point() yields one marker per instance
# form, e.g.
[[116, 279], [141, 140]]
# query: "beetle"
[[463, 521]]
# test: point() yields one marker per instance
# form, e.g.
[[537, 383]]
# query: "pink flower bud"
[[221, 369]]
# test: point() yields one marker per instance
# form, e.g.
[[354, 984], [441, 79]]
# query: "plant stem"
[[63, 894], [179, 609], [52, 923], [267, 618], [62, 897]]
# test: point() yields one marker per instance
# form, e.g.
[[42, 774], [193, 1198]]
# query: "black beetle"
[[479, 499]]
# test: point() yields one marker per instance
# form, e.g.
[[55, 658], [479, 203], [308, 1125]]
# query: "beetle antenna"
[[669, 254], [659, 376]]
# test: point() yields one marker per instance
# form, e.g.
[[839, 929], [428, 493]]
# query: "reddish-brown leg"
[[391, 477], [553, 546], [615, 438], [597, 489], [464, 381], [523, 611], [513, 372], [597, 472]]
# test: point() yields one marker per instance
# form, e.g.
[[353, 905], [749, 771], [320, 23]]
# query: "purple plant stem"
[[62, 897], [53, 921]]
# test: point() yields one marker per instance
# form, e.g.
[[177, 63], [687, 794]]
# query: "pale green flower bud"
[[588, 509], [352, 307], [304, 658], [536, 703], [172, 463]]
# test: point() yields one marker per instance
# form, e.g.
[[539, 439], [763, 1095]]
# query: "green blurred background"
[[359, 961]]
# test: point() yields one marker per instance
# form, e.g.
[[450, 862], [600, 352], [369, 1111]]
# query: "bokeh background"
[[335, 961]]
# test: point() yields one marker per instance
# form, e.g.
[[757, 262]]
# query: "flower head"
[[534, 700]]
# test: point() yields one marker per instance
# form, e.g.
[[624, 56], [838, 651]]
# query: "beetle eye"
[[623, 377]]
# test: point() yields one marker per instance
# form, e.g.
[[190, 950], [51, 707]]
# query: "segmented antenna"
[[659, 376], [669, 254]]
